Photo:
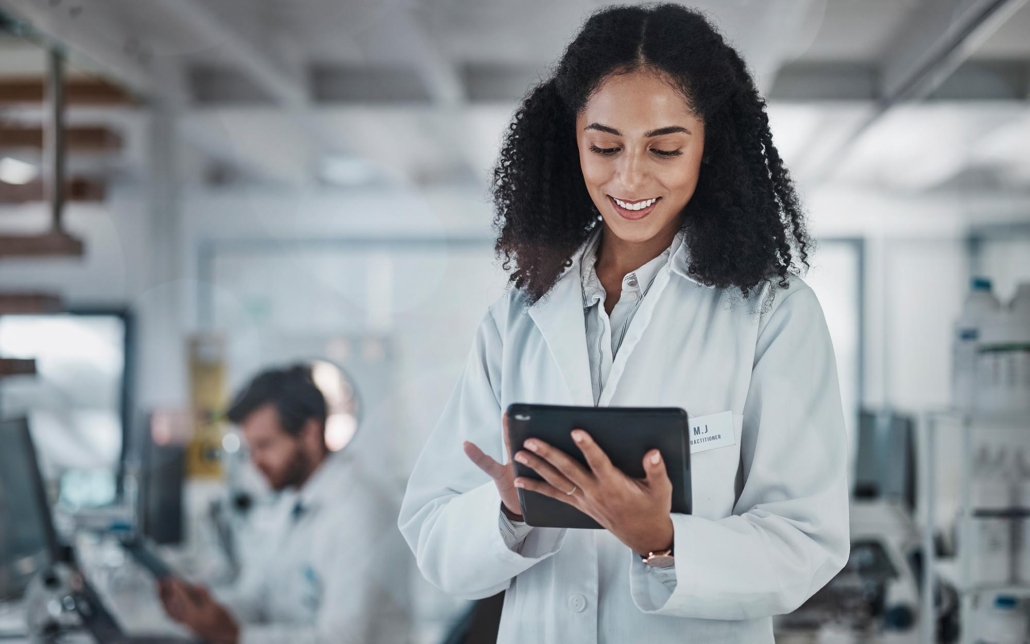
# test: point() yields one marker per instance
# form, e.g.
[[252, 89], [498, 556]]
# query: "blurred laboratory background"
[[195, 191]]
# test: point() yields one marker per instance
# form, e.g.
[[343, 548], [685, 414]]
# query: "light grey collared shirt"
[[605, 332]]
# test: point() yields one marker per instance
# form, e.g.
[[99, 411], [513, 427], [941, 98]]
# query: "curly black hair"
[[744, 224]]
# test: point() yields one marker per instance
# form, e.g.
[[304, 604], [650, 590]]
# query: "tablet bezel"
[[665, 428]]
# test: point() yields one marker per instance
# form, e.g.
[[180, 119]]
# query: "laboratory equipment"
[[161, 475], [992, 499], [27, 539], [1001, 619], [980, 306], [57, 596], [991, 353]]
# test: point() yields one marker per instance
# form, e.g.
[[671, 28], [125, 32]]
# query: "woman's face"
[[640, 149]]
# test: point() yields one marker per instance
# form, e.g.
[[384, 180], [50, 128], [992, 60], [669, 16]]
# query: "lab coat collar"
[[327, 482], [559, 316]]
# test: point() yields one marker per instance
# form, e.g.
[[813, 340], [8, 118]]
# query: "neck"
[[616, 257], [316, 463]]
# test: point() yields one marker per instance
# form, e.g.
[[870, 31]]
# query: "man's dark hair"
[[291, 390]]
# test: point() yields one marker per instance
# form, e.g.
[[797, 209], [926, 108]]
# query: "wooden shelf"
[[77, 91], [29, 303], [53, 244], [17, 367], [77, 189], [87, 138]]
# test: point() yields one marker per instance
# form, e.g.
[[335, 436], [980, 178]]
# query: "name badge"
[[711, 432]]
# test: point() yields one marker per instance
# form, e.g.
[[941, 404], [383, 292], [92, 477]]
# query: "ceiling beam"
[[444, 83], [273, 77], [826, 81], [439, 75], [939, 37], [770, 36], [87, 31], [287, 87], [974, 80]]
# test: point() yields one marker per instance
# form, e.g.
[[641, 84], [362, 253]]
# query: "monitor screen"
[[26, 531], [76, 402]]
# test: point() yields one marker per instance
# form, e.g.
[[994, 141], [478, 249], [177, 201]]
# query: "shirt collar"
[[676, 256]]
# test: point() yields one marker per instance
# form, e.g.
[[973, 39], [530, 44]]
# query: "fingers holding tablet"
[[503, 475], [549, 472]]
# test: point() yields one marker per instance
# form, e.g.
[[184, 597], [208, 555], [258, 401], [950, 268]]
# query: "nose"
[[632, 172]]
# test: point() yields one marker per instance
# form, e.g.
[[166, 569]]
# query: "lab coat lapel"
[[637, 326], [559, 316]]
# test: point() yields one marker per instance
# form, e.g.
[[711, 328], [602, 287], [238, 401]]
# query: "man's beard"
[[297, 471]]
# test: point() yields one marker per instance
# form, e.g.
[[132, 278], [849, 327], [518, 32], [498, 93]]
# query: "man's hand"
[[638, 512], [503, 475], [194, 607]]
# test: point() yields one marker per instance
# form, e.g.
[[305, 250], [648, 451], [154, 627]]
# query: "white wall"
[[916, 269]]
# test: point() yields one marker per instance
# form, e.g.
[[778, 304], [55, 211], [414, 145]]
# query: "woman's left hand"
[[636, 511]]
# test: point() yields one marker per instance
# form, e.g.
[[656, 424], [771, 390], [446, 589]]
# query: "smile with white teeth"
[[639, 205]]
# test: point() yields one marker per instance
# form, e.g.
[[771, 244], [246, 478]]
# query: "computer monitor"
[[161, 480], [27, 539], [885, 465]]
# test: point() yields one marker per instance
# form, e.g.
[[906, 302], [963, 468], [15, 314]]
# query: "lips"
[[633, 215]]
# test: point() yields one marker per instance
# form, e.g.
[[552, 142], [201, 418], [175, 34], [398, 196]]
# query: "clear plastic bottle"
[[979, 308], [1001, 620], [992, 535], [1019, 318], [1021, 498]]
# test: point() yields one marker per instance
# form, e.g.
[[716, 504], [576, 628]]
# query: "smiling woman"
[[653, 236], [648, 105]]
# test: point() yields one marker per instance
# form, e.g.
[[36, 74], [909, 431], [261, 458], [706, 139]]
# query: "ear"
[[313, 436]]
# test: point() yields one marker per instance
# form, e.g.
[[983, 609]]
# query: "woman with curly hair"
[[653, 238]]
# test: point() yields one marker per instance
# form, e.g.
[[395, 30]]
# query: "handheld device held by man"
[[147, 558]]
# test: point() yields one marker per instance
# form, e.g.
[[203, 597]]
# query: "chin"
[[634, 232]]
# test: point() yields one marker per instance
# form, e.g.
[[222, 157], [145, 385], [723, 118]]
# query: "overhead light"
[[17, 172], [346, 171]]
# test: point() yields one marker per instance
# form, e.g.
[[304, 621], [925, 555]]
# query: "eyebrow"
[[671, 129]]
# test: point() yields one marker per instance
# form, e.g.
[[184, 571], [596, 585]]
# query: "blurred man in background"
[[330, 574]]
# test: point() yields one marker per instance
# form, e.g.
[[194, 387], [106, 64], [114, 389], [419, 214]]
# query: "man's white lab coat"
[[333, 571], [770, 511]]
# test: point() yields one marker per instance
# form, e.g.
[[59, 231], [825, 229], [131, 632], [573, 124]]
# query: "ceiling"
[[420, 91]]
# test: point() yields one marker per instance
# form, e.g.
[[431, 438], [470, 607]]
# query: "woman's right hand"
[[503, 475]]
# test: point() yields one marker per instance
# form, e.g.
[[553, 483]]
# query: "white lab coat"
[[770, 512], [330, 573]]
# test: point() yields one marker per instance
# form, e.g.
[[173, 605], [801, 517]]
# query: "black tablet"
[[625, 434], [147, 558]]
